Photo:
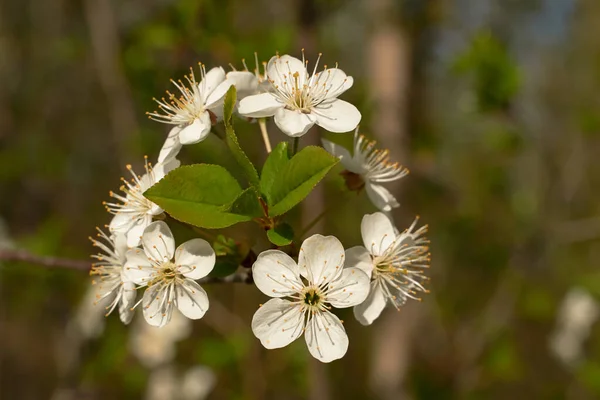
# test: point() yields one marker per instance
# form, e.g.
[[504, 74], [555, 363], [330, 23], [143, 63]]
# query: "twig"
[[262, 123], [45, 261], [244, 276], [295, 143]]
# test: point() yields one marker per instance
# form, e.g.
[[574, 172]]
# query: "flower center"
[[354, 182], [168, 270], [312, 297]]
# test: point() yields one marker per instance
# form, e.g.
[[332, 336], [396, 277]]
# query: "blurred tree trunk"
[[104, 38], [389, 63]]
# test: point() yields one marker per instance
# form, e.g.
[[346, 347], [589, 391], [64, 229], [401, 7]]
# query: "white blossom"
[[304, 294], [248, 83], [133, 212], [299, 100], [193, 110], [395, 262], [575, 319], [368, 168], [170, 283], [154, 347], [110, 280]]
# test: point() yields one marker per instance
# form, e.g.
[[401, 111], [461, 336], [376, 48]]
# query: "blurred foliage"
[[502, 132], [495, 75]]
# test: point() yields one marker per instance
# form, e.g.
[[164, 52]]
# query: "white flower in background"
[[368, 168], [576, 317], [154, 347], [394, 262], [170, 283], [111, 282], [168, 382], [318, 282], [193, 110], [134, 212], [299, 100]]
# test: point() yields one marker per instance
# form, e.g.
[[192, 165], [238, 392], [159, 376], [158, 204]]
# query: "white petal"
[[121, 248], [340, 152], [138, 269], [158, 242], [321, 258], [326, 337], [147, 181], [259, 106], [212, 79], [281, 69], [294, 123], [371, 308], [377, 233], [359, 257], [336, 81], [195, 258], [192, 300], [216, 99], [158, 304], [380, 197], [349, 289], [337, 116], [245, 83], [127, 301], [134, 235], [171, 147], [161, 169], [197, 131], [121, 223], [277, 323], [276, 274]]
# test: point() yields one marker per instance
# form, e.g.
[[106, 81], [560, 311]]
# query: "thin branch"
[[244, 276], [45, 261], [262, 123], [295, 143]]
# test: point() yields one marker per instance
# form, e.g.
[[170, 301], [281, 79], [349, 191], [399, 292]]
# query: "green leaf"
[[248, 204], [232, 141], [274, 164], [228, 257], [281, 235], [229, 104], [297, 178], [200, 195]]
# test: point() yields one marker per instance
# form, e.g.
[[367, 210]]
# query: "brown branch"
[[45, 261], [244, 276]]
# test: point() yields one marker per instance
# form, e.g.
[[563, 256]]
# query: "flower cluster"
[[139, 253]]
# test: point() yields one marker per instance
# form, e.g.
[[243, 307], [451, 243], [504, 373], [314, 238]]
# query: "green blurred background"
[[492, 105]]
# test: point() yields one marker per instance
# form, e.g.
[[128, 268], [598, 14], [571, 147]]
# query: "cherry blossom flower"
[[170, 283], [368, 168], [133, 212], [304, 294], [248, 83], [111, 282], [395, 262], [197, 106], [299, 100]]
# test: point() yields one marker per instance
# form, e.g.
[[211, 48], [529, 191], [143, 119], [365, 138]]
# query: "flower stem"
[[295, 143], [262, 123]]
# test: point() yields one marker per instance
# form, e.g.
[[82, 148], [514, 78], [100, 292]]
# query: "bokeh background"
[[493, 105]]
